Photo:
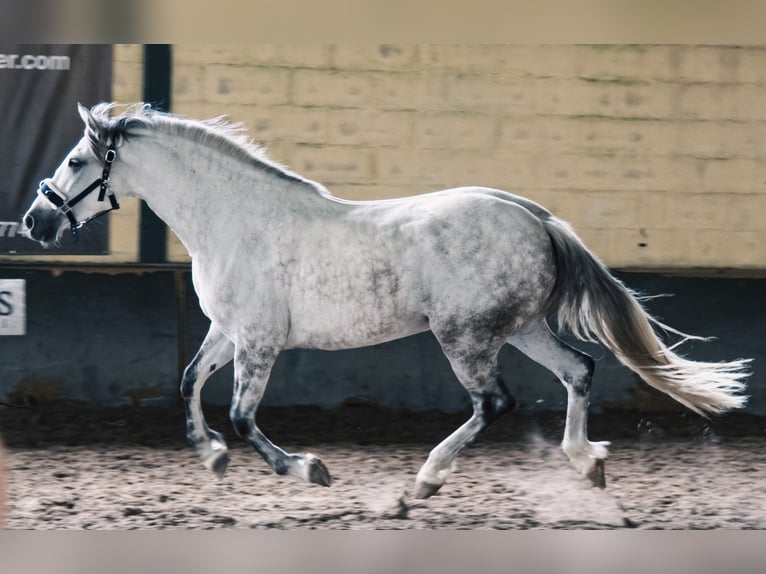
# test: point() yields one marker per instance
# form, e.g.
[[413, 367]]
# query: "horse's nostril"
[[29, 221]]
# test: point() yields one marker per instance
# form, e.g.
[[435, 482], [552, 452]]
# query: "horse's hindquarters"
[[492, 271]]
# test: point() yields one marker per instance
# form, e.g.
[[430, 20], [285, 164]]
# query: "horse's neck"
[[199, 192]]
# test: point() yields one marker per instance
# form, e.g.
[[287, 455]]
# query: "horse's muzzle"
[[39, 228]]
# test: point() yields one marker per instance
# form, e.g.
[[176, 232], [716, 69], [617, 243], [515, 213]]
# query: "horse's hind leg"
[[477, 371], [575, 370], [252, 367], [215, 352]]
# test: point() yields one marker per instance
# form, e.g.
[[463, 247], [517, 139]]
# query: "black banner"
[[40, 86]]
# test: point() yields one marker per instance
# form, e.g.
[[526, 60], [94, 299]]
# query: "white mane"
[[218, 133]]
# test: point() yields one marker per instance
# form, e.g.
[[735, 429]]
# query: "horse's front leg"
[[252, 367], [215, 352]]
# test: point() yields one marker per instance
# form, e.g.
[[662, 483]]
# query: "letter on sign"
[[13, 308]]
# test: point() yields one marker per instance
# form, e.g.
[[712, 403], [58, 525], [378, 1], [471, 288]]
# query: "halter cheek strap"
[[48, 190]]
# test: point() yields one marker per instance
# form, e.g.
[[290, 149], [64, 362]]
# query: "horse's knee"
[[241, 422], [188, 380]]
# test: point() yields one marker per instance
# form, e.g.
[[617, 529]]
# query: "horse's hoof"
[[220, 465], [596, 474], [317, 472], [426, 489]]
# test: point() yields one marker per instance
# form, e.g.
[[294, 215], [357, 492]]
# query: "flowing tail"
[[590, 302]]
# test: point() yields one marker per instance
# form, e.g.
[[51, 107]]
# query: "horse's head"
[[79, 189]]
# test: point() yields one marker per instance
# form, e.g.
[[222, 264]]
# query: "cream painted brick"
[[550, 61], [705, 139], [403, 167], [683, 211], [587, 135], [656, 248], [394, 57], [639, 247], [626, 62], [331, 88], [203, 54], [188, 83], [562, 205], [288, 123], [727, 249], [604, 62], [507, 60], [608, 173], [279, 152], [289, 55], [267, 125], [723, 139], [569, 97], [126, 82], [732, 175], [540, 61], [123, 230], [203, 110], [743, 102], [417, 92], [448, 168], [602, 242], [331, 165], [490, 94], [370, 127], [455, 131], [132, 53], [752, 64], [707, 64], [534, 171], [746, 212], [550, 199], [631, 153], [603, 209], [246, 85], [703, 211], [597, 98], [665, 63], [663, 248], [176, 252]]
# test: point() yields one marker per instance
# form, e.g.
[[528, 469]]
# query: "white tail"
[[590, 302]]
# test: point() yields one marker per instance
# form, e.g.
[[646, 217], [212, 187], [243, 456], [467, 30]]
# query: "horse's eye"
[[75, 163]]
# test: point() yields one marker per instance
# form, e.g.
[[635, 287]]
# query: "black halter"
[[59, 201]]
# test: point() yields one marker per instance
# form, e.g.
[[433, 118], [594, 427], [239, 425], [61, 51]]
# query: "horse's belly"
[[335, 328]]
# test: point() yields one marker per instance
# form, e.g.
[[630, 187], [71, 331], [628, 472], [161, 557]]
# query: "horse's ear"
[[86, 116]]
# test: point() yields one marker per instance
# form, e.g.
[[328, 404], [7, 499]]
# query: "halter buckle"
[[110, 155]]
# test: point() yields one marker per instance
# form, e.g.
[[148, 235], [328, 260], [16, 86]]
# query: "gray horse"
[[280, 263]]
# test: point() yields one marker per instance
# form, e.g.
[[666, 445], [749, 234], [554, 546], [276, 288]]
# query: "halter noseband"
[[48, 190]]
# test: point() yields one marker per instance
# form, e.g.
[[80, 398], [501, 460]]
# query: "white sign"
[[13, 308]]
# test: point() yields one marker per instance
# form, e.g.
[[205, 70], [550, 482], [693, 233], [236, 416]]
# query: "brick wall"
[[653, 153]]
